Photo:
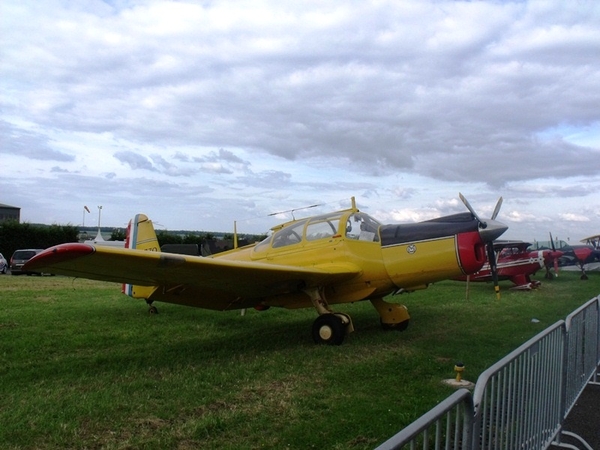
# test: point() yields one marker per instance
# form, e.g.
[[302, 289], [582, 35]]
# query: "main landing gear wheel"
[[328, 329], [153, 310]]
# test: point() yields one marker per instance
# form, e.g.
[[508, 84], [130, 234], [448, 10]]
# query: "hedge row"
[[15, 235]]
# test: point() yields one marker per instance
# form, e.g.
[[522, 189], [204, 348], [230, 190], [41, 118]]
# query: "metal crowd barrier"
[[583, 350], [448, 425], [523, 399], [518, 399]]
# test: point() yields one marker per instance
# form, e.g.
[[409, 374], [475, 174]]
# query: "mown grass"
[[83, 366]]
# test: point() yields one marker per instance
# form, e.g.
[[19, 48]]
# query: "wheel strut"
[[330, 327], [393, 316], [151, 308]]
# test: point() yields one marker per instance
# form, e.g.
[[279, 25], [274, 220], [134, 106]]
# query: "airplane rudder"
[[141, 234]]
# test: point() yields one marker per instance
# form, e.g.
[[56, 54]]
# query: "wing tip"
[[57, 254]]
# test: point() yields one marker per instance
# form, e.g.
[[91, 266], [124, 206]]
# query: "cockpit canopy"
[[351, 224]]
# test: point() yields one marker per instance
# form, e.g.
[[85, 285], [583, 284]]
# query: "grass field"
[[83, 366]]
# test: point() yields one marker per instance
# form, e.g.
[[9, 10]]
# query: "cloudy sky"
[[202, 113]]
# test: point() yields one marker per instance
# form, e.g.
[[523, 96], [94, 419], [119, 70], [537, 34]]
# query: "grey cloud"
[[57, 169], [180, 156], [268, 178], [221, 155], [371, 88], [22, 142], [216, 168], [153, 163], [229, 156], [552, 190], [220, 162], [500, 163], [462, 92], [134, 160], [161, 162]]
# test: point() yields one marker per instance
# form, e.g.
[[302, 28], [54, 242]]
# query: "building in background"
[[8, 212]]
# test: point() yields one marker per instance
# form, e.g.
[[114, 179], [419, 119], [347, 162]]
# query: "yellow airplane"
[[319, 261]]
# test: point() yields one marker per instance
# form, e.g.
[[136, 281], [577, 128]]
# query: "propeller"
[[554, 255], [493, 267], [497, 209], [490, 230]]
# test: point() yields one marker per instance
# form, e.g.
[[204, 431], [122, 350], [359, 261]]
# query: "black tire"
[[328, 329], [153, 310]]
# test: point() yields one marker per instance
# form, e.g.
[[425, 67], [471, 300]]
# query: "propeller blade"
[[493, 267], [482, 224], [548, 275], [554, 254], [497, 209]]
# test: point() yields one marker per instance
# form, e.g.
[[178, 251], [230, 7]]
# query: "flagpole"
[[85, 208]]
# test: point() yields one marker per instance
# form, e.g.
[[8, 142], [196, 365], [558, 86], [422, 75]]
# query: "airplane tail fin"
[[140, 236]]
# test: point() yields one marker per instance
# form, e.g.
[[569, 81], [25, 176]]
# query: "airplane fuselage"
[[387, 258]]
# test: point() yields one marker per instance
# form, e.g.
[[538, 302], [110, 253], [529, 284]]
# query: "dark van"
[[20, 257]]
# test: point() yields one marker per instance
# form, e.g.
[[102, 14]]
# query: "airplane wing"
[[590, 238], [224, 281]]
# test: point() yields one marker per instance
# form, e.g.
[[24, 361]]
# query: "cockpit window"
[[359, 226], [362, 227], [322, 227], [263, 244], [289, 235]]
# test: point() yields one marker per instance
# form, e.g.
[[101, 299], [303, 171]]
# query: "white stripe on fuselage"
[[519, 262]]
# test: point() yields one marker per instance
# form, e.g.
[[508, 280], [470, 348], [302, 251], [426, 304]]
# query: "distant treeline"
[[15, 235], [205, 243]]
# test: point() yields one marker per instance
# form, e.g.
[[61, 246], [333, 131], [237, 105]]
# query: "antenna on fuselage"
[[295, 209], [235, 237]]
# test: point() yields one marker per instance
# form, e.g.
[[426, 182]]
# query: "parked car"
[[20, 257], [3, 264]]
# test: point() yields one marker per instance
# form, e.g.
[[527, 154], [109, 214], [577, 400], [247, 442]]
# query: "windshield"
[[24, 254], [362, 227], [289, 235], [543, 245], [322, 227]]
